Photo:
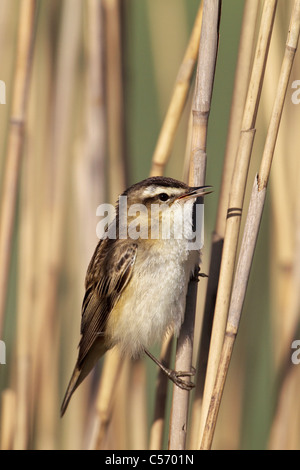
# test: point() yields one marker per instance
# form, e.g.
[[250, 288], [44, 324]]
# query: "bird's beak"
[[196, 192]]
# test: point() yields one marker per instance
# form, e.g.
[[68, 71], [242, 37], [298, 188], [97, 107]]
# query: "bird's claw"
[[175, 376]]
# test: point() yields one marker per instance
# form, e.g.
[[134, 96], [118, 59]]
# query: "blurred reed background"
[[88, 83]]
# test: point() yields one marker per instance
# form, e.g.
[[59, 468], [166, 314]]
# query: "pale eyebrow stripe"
[[153, 191]]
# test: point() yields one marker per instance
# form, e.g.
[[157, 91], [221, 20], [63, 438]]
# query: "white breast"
[[155, 298]]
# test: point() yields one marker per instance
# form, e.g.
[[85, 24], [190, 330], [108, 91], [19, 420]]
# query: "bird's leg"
[[173, 374]]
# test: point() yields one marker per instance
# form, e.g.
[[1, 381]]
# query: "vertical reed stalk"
[[114, 90], [236, 200], [282, 433], [252, 227], [182, 85], [8, 419], [90, 165], [25, 303], [57, 187], [157, 429], [159, 160], [15, 142], [238, 102], [9, 16], [137, 407], [282, 246], [201, 107], [112, 66], [110, 373]]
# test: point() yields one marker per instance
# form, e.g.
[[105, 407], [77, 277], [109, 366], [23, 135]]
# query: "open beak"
[[196, 192]]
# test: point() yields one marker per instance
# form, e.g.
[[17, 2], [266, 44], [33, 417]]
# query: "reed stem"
[[251, 230], [182, 85], [236, 200], [15, 142], [238, 102], [201, 107]]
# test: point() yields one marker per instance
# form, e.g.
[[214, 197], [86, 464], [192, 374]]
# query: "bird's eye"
[[163, 197]]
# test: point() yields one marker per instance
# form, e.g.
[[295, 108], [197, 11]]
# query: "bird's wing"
[[108, 274]]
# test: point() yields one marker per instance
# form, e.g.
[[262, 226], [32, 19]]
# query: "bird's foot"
[[175, 376]]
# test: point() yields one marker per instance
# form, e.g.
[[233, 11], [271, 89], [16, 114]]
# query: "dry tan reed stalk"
[[167, 134], [252, 227], [157, 428], [288, 60], [282, 248], [286, 279], [241, 81], [236, 200], [282, 252], [159, 161], [117, 432], [8, 419], [90, 190], [15, 142], [114, 91], [286, 276], [201, 107], [180, 401], [9, 14], [203, 91], [57, 187], [25, 302], [160, 19], [35, 156], [90, 165], [137, 419], [109, 376], [284, 209], [117, 179], [285, 428], [284, 433], [28, 273], [90, 157], [188, 149]]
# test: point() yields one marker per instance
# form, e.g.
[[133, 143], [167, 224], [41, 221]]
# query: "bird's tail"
[[76, 379], [81, 371]]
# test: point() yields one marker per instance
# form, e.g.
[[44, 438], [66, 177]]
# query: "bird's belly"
[[153, 303]]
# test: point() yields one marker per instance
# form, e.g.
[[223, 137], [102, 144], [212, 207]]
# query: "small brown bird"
[[137, 279]]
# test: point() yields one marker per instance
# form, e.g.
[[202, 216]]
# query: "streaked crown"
[[157, 189]]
